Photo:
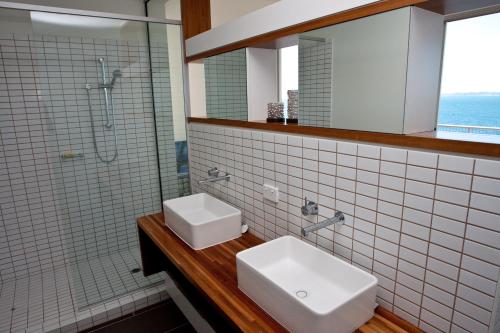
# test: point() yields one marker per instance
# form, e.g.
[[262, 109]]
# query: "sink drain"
[[301, 293]]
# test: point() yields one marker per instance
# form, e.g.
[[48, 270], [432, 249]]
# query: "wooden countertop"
[[213, 272]]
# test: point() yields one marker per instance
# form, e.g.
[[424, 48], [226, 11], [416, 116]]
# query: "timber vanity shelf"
[[208, 279], [442, 141]]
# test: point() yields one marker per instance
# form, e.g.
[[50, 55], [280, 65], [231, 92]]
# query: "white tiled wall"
[[426, 224]]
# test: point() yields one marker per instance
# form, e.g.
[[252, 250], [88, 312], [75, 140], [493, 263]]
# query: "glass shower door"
[[105, 109]]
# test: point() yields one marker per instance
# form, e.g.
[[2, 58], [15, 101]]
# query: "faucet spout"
[[215, 179], [338, 218], [214, 176]]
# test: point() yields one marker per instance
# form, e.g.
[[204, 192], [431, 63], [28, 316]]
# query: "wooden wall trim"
[[196, 18], [359, 12], [446, 7], [420, 141]]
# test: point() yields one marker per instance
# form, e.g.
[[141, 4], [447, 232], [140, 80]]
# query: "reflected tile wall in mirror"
[[226, 85], [315, 81]]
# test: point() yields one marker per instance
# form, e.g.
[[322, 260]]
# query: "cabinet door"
[[369, 72]]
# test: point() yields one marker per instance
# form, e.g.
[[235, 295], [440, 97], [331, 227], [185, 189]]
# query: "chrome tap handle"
[[309, 208], [213, 172]]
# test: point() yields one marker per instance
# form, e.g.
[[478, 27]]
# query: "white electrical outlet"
[[271, 193]]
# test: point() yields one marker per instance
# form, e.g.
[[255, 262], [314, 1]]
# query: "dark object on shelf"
[[293, 104], [275, 110], [275, 120], [292, 121]]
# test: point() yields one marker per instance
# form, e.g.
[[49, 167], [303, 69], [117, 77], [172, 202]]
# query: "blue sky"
[[472, 55]]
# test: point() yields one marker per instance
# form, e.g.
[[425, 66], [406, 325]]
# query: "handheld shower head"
[[116, 74]]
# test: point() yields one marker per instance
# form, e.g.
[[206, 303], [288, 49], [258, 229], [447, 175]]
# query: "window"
[[470, 82], [288, 72]]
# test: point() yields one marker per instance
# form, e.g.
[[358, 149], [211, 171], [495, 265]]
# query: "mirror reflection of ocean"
[[477, 109]]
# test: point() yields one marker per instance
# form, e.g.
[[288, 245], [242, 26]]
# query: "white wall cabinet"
[[386, 71]]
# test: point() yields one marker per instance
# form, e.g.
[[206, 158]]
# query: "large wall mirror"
[[379, 73]]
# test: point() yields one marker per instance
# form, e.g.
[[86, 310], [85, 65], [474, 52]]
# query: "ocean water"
[[470, 109]]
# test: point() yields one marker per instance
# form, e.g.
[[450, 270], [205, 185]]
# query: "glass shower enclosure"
[[92, 136]]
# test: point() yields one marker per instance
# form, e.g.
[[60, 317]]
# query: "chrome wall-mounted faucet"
[[338, 219], [309, 208], [214, 176]]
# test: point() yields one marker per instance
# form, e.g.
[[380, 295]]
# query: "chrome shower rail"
[[88, 87], [107, 87], [108, 98]]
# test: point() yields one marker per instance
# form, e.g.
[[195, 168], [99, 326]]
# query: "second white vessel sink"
[[201, 220], [304, 288]]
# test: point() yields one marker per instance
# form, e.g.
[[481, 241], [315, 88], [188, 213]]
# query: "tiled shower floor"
[[105, 278], [79, 296]]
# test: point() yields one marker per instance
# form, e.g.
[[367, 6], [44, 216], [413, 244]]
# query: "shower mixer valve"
[[309, 208]]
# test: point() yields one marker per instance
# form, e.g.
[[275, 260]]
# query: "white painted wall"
[[368, 90], [128, 30], [197, 96], [262, 81], [175, 61], [425, 52], [26, 22], [172, 11], [273, 17], [222, 11], [129, 7]]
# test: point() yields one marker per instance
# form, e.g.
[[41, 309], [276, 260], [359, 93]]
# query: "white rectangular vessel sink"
[[304, 288], [201, 220]]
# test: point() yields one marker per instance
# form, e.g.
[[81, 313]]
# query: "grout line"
[[428, 246]]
